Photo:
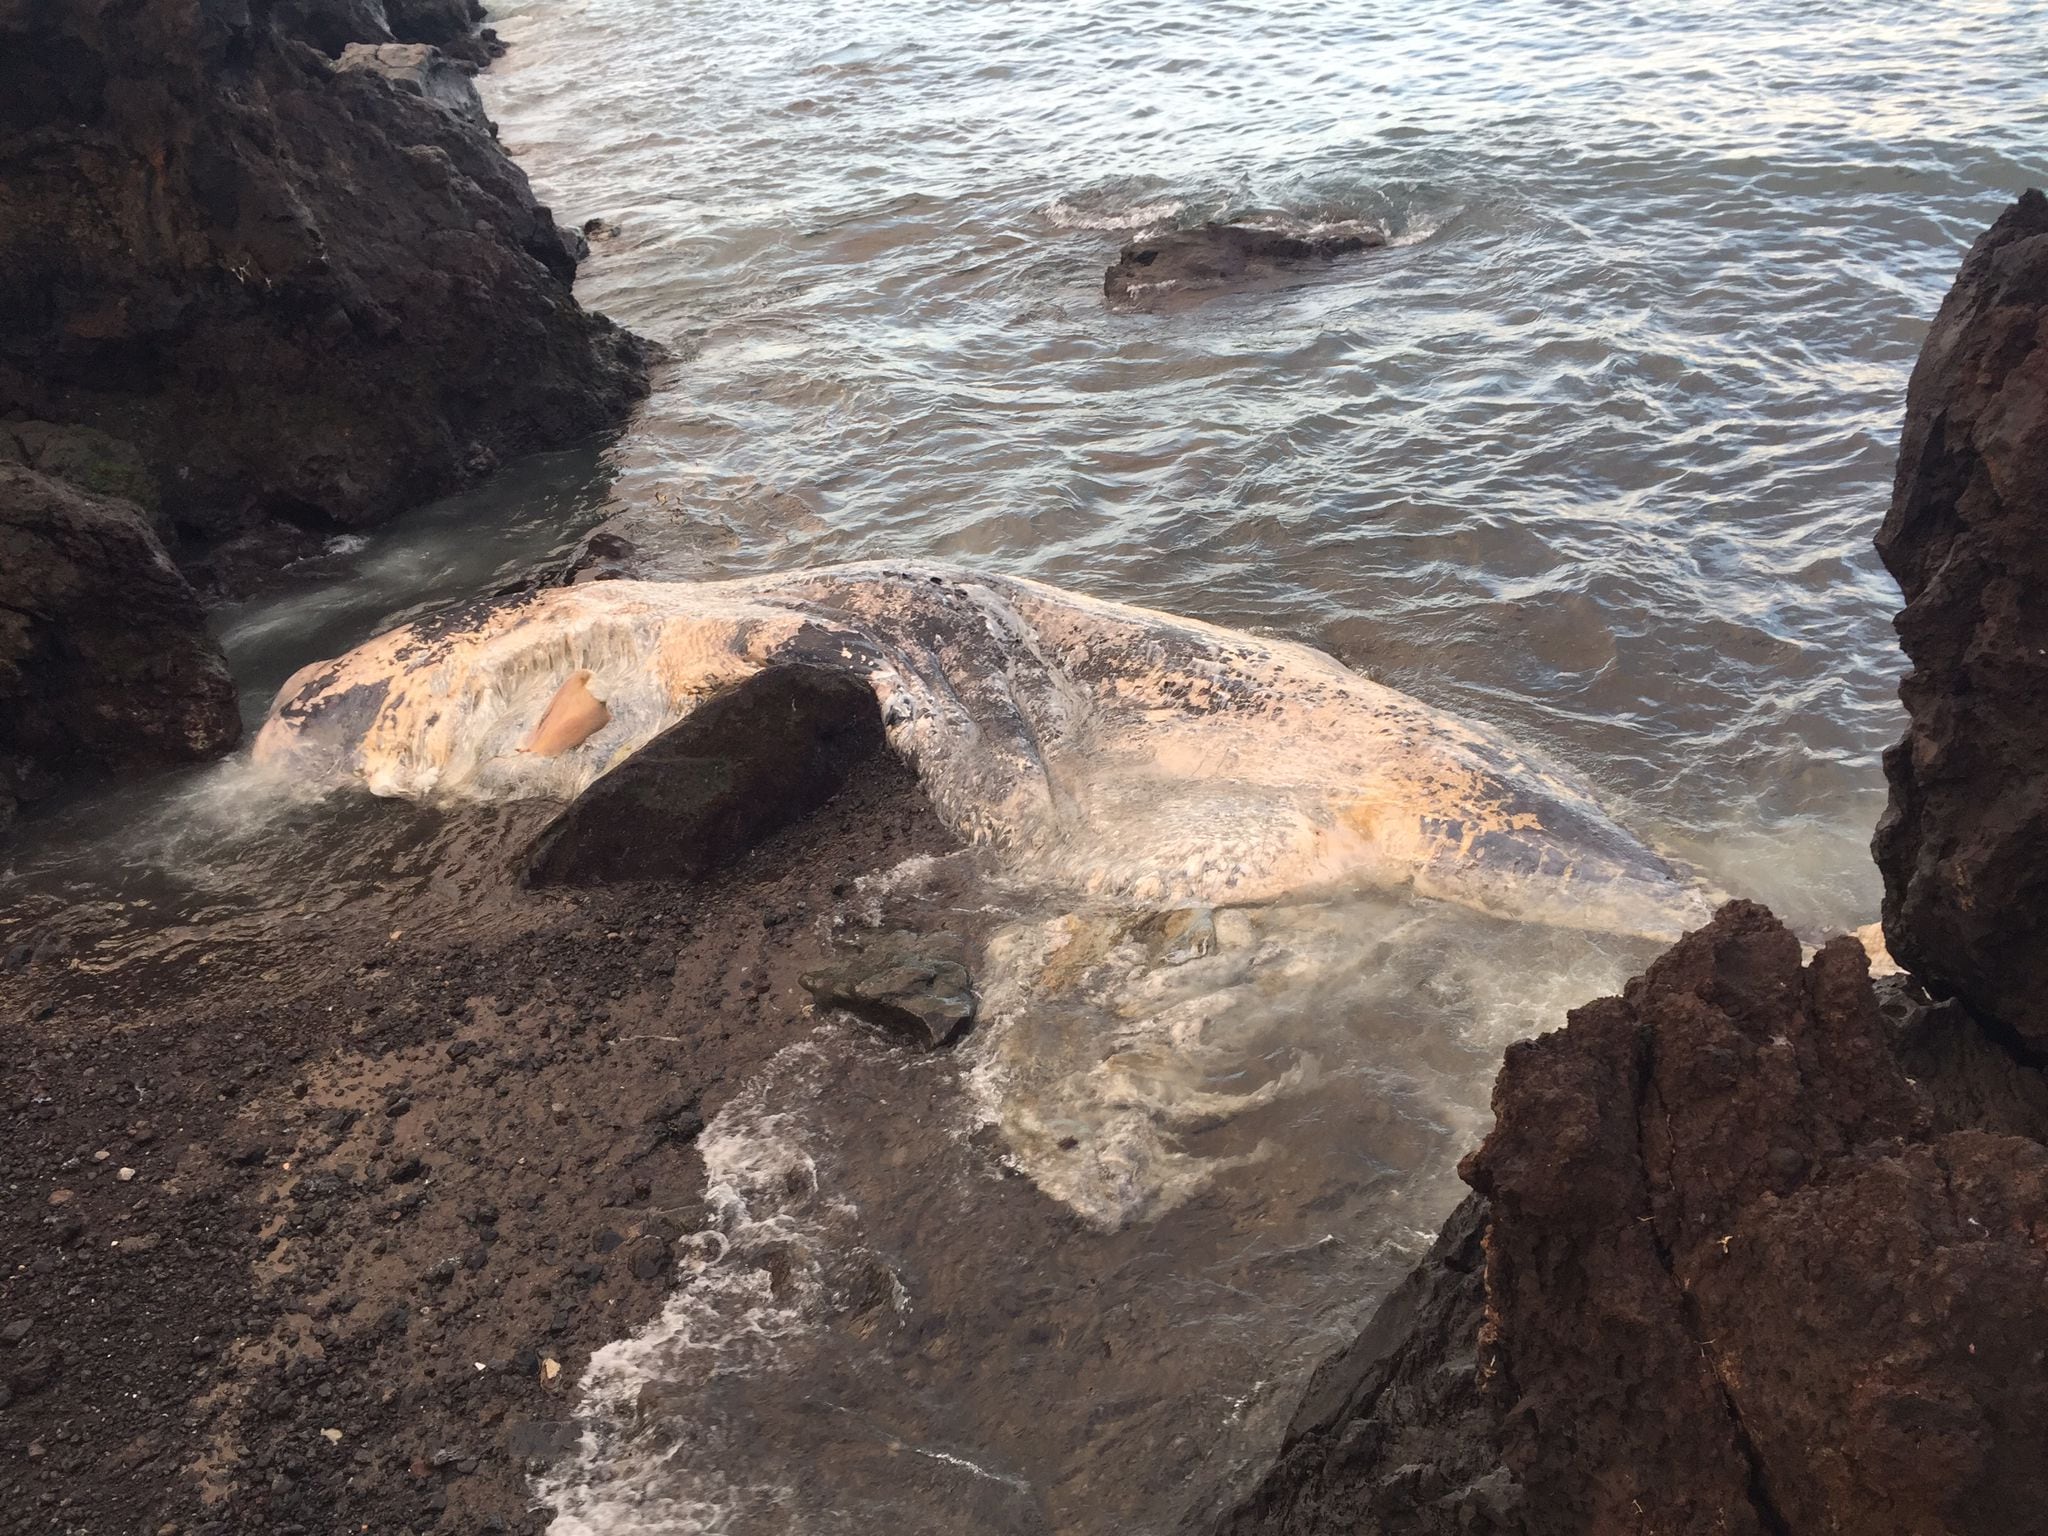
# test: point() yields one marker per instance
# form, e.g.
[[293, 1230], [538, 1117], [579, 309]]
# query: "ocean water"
[[1591, 452]]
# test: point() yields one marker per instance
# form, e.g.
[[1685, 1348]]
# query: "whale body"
[[1121, 753]]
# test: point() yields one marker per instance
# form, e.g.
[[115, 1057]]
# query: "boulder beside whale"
[[1212, 257], [1127, 756]]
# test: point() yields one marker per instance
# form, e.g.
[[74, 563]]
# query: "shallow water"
[[1592, 452]]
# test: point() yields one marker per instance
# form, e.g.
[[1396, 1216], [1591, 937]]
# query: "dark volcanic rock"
[[1964, 841], [453, 26], [1391, 1434], [1217, 256], [104, 653], [736, 768], [422, 70], [79, 456], [299, 290], [1738, 1278], [915, 984]]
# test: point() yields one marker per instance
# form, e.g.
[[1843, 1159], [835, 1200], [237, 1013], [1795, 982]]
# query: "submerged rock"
[[743, 764], [301, 289], [1964, 840], [1741, 1275], [104, 654], [916, 984], [1215, 256]]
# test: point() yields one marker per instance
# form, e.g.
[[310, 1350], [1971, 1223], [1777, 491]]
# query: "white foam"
[[1105, 1054], [1419, 228], [1130, 216], [752, 1281]]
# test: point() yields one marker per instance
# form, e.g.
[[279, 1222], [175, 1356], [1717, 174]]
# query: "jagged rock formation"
[[453, 26], [1740, 1274], [104, 653], [1754, 1248], [300, 289], [1962, 842]]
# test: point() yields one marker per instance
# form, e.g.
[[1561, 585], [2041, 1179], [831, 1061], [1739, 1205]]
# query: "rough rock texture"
[[1739, 1277], [913, 983], [300, 290], [740, 766], [1215, 256], [453, 26], [1392, 1434], [92, 461], [104, 653], [1961, 843]]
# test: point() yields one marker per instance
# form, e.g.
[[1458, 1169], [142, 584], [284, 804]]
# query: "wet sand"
[[389, 1187]]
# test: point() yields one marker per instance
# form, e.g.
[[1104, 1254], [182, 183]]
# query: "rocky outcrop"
[[104, 654], [1962, 841], [454, 26], [1392, 1434], [1741, 1274], [744, 763], [1188, 263], [301, 287]]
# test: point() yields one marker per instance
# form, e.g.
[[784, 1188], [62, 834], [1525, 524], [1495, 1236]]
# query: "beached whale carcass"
[[1122, 753]]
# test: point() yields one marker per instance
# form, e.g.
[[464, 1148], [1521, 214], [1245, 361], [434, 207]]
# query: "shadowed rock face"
[[1964, 841], [104, 653], [1392, 1434], [1741, 1274], [299, 290], [743, 764], [453, 26], [1213, 257]]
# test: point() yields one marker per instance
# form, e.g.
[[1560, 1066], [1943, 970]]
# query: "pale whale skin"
[[1119, 752]]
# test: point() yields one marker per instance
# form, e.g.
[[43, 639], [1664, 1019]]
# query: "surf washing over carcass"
[[1128, 757], [1215, 827]]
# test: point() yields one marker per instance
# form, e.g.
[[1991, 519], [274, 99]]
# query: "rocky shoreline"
[[1754, 1248], [318, 1229], [265, 274]]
